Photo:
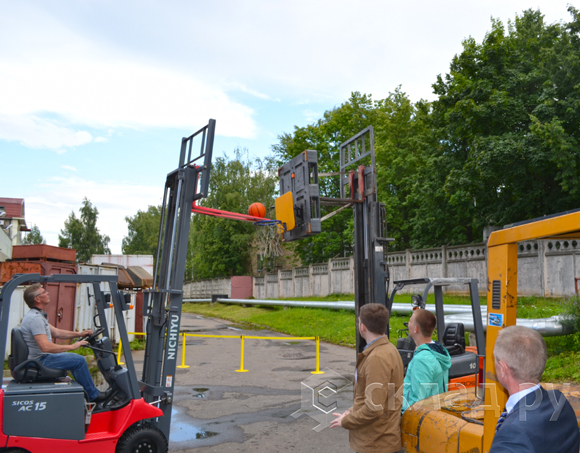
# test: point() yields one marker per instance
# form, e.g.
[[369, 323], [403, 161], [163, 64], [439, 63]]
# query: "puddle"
[[204, 434], [200, 392], [182, 431]]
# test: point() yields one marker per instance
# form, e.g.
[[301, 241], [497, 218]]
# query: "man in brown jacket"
[[374, 420]]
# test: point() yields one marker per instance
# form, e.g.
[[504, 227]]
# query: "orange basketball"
[[257, 210]]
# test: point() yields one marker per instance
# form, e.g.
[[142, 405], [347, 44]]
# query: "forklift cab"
[[464, 360], [42, 405]]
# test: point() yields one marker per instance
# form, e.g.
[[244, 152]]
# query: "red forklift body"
[[103, 434]]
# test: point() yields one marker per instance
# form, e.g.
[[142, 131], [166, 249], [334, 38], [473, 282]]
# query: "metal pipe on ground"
[[547, 327], [283, 303], [401, 308]]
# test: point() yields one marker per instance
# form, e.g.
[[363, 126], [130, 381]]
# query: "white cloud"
[[89, 83], [150, 68], [58, 197], [324, 49], [243, 88], [311, 116], [69, 167], [115, 93], [35, 132]]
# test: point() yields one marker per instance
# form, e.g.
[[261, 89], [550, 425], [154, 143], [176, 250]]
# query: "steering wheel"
[[93, 337]]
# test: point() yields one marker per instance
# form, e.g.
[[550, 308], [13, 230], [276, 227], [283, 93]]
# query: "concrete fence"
[[334, 277], [545, 268], [235, 287], [205, 288]]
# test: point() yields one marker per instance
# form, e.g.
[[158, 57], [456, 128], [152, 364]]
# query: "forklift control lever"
[[99, 349]]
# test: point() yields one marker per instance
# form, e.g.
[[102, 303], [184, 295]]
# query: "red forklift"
[[43, 411]]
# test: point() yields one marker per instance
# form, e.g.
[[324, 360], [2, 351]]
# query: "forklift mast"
[[371, 274], [188, 183]]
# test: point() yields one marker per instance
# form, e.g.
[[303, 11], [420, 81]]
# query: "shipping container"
[[62, 295], [43, 252], [145, 261]]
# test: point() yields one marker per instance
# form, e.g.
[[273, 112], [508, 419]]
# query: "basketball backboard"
[[300, 177]]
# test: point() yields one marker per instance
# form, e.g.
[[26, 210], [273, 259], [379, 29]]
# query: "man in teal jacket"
[[428, 371]]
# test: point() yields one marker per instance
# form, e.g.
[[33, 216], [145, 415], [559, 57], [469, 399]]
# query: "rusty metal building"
[[46, 260]]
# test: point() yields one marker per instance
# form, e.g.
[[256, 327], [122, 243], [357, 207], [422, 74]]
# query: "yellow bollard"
[[241, 370], [318, 357], [119, 353], [183, 365]]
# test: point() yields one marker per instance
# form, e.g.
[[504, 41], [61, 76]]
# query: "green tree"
[[143, 232], [507, 125], [34, 237], [402, 140], [222, 247], [82, 233]]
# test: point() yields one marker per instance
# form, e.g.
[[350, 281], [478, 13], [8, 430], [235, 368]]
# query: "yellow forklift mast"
[[464, 420]]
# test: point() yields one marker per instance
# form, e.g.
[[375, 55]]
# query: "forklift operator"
[[38, 334]]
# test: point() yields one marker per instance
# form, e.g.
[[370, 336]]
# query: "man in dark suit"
[[534, 419]]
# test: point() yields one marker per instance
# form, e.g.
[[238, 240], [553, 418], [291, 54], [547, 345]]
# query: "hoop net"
[[269, 240]]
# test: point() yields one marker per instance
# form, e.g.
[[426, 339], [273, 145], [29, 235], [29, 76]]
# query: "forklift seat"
[[28, 370], [454, 338]]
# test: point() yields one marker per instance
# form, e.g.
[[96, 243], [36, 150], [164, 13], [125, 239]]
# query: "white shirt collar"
[[513, 399]]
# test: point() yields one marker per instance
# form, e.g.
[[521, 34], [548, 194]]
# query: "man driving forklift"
[[38, 334]]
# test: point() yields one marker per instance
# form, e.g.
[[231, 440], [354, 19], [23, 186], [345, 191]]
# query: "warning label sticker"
[[495, 320]]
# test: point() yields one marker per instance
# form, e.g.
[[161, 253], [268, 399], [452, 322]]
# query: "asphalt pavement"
[[277, 405]]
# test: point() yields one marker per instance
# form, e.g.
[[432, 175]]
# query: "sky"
[[95, 96]]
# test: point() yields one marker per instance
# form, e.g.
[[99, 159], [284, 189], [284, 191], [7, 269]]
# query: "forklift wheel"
[[142, 439]]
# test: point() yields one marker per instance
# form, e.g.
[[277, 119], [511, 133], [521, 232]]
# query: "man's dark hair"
[[375, 317], [426, 321], [30, 294]]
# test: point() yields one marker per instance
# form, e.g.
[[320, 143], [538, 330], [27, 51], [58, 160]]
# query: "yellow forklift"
[[465, 420]]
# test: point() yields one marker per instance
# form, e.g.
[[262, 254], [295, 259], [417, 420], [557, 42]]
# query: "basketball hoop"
[[269, 222], [280, 226]]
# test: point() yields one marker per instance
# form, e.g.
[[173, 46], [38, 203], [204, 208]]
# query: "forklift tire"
[[142, 439], [13, 450]]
